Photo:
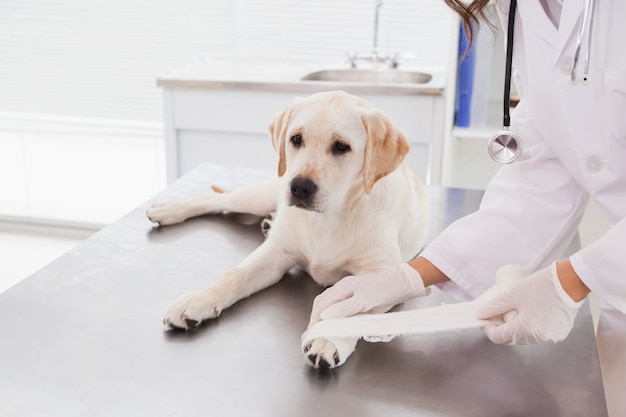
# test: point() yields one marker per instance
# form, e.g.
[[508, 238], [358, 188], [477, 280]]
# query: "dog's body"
[[343, 203]]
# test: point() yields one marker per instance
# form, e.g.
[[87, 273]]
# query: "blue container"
[[465, 81]]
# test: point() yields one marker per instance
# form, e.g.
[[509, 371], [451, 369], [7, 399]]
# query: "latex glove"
[[373, 292], [534, 309]]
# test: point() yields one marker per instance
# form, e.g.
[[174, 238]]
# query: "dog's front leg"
[[262, 268], [259, 199]]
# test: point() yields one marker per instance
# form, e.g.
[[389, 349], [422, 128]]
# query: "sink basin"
[[353, 75]]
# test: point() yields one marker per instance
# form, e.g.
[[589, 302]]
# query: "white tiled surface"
[[24, 249]]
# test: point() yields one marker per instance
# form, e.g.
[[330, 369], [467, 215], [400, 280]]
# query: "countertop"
[[84, 337], [285, 76]]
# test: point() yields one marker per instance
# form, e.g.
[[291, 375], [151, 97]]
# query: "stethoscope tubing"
[[505, 146], [509, 65]]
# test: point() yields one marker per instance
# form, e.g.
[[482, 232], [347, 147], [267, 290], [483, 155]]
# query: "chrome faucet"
[[374, 57], [379, 4]]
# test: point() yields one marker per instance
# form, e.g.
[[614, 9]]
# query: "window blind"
[[100, 58]]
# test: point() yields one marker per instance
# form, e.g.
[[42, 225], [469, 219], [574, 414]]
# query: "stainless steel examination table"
[[83, 337]]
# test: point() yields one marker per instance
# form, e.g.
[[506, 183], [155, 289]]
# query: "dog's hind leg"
[[259, 199]]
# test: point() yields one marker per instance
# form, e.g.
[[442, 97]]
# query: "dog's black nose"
[[302, 188]]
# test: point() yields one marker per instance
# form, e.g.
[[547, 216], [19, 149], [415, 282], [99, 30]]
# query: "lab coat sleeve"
[[602, 266], [528, 216]]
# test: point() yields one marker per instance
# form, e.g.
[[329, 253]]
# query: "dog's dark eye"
[[339, 148], [296, 140]]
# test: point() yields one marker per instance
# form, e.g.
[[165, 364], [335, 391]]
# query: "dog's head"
[[330, 143]]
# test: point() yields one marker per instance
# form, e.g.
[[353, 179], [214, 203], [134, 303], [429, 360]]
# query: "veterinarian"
[[573, 130]]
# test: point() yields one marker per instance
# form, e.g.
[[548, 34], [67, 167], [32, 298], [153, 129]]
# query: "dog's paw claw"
[[165, 214], [323, 364], [327, 354], [321, 353], [191, 322], [154, 222], [169, 326], [191, 310]]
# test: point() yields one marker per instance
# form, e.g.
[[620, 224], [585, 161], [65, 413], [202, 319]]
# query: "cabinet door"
[[244, 149]]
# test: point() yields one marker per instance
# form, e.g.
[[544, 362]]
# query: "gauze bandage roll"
[[384, 327]]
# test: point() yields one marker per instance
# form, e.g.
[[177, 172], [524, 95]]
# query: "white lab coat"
[[574, 139]]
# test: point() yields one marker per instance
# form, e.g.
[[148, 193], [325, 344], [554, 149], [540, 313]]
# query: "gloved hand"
[[534, 309], [373, 292]]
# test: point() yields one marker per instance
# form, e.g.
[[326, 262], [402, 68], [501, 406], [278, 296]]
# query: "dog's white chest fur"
[[330, 246]]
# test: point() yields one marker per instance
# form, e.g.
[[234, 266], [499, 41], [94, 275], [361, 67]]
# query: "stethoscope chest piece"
[[504, 147]]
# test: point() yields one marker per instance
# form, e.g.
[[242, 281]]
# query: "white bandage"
[[384, 327]]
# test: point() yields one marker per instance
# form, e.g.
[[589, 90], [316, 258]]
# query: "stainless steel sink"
[[353, 75]]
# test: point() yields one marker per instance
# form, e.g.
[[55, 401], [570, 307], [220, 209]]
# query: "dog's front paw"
[[328, 353], [191, 310], [165, 214], [266, 224]]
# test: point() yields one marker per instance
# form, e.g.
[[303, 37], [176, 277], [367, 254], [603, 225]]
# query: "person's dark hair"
[[471, 13]]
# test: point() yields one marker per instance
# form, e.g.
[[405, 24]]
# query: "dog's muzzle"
[[302, 192]]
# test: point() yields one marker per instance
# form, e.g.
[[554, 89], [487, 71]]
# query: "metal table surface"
[[83, 337]]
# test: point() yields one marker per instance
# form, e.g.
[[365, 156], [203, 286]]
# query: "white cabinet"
[[230, 126]]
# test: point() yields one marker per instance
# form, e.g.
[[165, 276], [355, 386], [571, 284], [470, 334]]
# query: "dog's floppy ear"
[[385, 149], [278, 131]]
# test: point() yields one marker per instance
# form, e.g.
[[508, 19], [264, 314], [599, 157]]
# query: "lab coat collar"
[[571, 16], [535, 19]]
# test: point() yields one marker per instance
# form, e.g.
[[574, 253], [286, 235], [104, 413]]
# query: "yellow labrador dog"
[[343, 203]]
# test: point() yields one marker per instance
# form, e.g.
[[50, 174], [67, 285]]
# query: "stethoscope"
[[505, 146]]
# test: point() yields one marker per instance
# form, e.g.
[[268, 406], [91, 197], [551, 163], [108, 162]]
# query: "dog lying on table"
[[343, 203]]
